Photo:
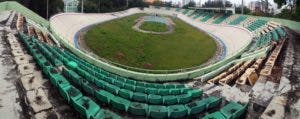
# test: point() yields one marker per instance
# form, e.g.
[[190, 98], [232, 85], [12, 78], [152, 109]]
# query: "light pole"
[[82, 6], [242, 6]]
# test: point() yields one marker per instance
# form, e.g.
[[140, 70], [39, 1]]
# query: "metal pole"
[[82, 6], [127, 3], [47, 9], [242, 6], [99, 6]]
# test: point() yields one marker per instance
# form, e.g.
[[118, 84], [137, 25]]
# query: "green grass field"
[[118, 42], [154, 26]]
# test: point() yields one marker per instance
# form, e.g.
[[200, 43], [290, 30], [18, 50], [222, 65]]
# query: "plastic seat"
[[232, 110], [158, 112], [170, 100], [140, 97], [70, 94], [112, 89], [163, 91], [88, 108], [140, 89], [101, 83], [215, 115], [152, 91], [120, 103], [175, 91], [129, 87], [211, 102], [127, 94], [86, 86], [195, 108], [132, 82], [119, 83], [140, 83], [110, 115], [195, 93], [177, 111], [155, 99], [72, 76], [104, 96], [184, 98], [139, 109]]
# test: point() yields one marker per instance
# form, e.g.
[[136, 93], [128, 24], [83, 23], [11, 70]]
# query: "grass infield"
[[116, 41], [154, 26]]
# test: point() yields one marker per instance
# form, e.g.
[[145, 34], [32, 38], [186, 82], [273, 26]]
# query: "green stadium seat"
[[112, 89], [175, 91], [158, 112], [101, 83], [152, 91], [195, 93], [177, 111], [233, 110], [129, 87], [140, 89], [215, 115], [86, 86], [184, 98], [140, 97], [211, 102], [195, 108], [155, 99], [73, 76], [70, 93], [170, 100], [104, 96], [127, 94], [110, 115], [119, 83], [139, 83], [120, 103], [88, 108], [163, 91], [138, 109]]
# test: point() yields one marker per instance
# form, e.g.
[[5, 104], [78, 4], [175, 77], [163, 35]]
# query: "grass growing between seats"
[[118, 42], [154, 26]]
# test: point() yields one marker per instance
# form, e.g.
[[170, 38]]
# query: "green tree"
[[292, 10], [238, 10], [92, 6], [190, 4], [40, 6]]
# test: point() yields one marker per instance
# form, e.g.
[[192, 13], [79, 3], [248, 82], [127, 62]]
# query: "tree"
[[92, 6], [238, 10], [293, 6], [40, 6], [217, 3], [190, 4]]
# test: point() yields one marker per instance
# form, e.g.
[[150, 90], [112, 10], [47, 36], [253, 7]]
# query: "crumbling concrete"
[[25, 69], [23, 59], [38, 100], [263, 91], [276, 109], [31, 82], [234, 94], [17, 52], [47, 115]]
